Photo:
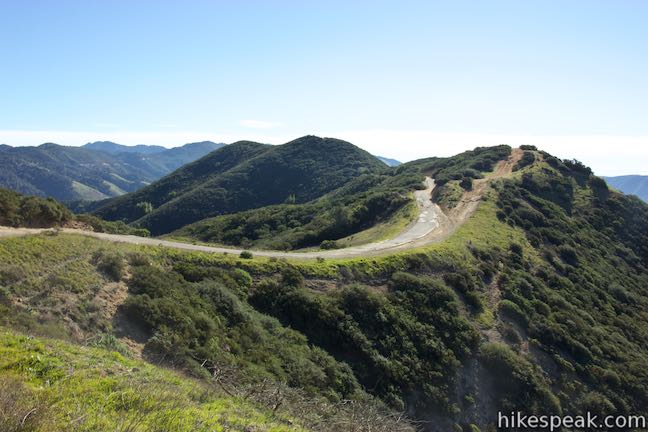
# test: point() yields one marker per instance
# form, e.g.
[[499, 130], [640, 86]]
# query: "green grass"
[[69, 387], [450, 194], [86, 192], [113, 188], [384, 230]]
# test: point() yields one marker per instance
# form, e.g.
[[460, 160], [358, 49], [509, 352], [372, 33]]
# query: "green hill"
[[537, 303], [243, 176], [362, 203], [21, 211], [78, 173]]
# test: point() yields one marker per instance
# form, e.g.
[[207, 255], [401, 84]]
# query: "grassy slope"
[[62, 286], [54, 385]]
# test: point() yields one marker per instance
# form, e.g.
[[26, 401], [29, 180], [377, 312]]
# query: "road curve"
[[427, 222], [431, 226]]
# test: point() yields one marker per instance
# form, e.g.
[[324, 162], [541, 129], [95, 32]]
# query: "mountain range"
[[631, 185], [388, 161], [93, 172]]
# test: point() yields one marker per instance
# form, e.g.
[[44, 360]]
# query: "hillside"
[[367, 208], [48, 385], [536, 303], [631, 185], [20, 211], [238, 367], [242, 176], [78, 173]]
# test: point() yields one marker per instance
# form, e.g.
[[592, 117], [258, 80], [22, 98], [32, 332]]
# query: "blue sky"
[[405, 79]]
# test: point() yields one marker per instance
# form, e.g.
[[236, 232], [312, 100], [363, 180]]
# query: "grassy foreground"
[[50, 385]]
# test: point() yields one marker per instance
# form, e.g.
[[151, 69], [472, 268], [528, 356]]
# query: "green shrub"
[[110, 263], [329, 244], [246, 255], [568, 254], [527, 159], [509, 309], [466, 183]]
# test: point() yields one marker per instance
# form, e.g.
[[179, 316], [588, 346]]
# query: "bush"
[[528, 158], [291, 276], [116, 227], [110, 263], [329, 244], [466, 183], [246, 255], [568, 254], [512, 311]]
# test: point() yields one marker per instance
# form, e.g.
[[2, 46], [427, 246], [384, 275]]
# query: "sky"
[[405, 79]]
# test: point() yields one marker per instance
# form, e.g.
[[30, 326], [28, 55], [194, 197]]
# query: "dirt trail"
[[432, 226]]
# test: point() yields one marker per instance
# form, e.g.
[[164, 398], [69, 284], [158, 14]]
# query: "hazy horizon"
[[404, 80], [592, 153]]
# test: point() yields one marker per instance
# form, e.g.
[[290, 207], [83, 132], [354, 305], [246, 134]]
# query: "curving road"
[[427, 222], [431, 226]]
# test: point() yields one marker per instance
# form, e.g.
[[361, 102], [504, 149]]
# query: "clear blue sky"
[[406, 78]]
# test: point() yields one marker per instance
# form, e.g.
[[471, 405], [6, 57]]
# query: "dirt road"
[[432, 226]]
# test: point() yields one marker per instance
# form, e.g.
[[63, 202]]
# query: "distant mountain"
[[388, 161], [173, 158], [631, 185], [84, 173], [243, 176], [114, 148]]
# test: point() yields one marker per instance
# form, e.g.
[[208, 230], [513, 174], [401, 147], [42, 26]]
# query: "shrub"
[[466, 183], [144, 207], [528, 158], [291, 276], [568, 254], [329, 244], [109, 263], [246, 255], [509, 309], [138, 259]]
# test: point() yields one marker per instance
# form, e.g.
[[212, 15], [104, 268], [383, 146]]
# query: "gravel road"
[[431, 226]]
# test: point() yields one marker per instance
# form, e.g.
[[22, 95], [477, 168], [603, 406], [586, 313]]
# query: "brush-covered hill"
[[86, 173], [243, 176], [368, 208], [24, 211], [631, 185], [536, 303]]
